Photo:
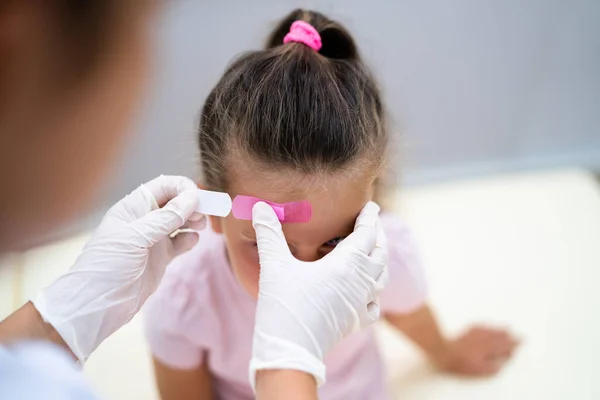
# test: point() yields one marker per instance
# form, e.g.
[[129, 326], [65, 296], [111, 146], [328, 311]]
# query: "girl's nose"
[[307, 254]]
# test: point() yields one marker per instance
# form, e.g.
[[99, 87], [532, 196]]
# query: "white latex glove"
[[305, 308], [122, 264]]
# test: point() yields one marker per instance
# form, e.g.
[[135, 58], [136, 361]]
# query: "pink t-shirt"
[[200, 314]]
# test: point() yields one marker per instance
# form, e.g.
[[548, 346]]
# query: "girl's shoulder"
[[192, 278], [407, 286], [394, 226], [184, 302], [403, 248], [200, 263]]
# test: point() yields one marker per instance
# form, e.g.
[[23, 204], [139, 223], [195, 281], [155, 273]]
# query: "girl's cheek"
[[251, 253], [245, 262], [324, 252]]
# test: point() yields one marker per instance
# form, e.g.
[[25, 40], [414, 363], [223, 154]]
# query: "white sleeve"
[[36, 370]]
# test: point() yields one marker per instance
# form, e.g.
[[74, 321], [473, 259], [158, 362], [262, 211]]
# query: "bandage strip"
[[291, 212]]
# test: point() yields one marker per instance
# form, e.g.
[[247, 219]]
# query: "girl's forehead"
[[323, 189], [336, 200], [333, 214]]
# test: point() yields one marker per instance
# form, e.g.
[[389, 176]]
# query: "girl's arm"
[[479, 351], [179, 384], [273, 384]]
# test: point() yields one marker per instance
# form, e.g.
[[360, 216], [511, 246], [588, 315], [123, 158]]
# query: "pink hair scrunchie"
[[303, 32]]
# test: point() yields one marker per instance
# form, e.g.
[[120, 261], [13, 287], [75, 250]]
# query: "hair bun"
[[337, 43]]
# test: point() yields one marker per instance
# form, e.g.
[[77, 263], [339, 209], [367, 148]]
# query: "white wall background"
[[474, 86]]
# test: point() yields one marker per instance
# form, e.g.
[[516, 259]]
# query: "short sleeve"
[[407, 288], [170, 318]]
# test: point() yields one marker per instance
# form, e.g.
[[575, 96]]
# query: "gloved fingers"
[[380, 251], [133, 206], [364, 236], [375, 264], [371, 314], [382, 281], [157, 224], [197, 224], [167, 187], [270, 240], [191, 226], [184, 242], [377, 267], [376, 286]]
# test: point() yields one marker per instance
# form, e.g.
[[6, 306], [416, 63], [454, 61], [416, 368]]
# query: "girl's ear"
[[215, 223]]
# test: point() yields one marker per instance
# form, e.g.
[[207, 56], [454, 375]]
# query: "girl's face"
[[336, 202]]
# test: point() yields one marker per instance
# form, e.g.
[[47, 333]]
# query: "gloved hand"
[[122, 264], [305, 308]]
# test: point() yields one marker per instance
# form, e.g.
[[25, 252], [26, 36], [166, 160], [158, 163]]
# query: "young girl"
[[301, 120]]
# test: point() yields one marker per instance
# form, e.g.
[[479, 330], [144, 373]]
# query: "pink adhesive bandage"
[[292, 212], [303, 32]]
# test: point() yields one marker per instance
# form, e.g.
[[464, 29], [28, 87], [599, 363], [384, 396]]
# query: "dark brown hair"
[[289, 106]]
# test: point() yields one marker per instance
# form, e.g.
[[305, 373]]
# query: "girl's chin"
[[252, 290], [249, 284]]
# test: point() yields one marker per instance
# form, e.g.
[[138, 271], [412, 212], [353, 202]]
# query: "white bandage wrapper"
[[214, 203]]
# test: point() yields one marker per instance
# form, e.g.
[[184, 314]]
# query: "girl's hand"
[[480, 351]]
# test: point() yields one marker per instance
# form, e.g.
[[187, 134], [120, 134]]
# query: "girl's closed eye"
[[334, 242]]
